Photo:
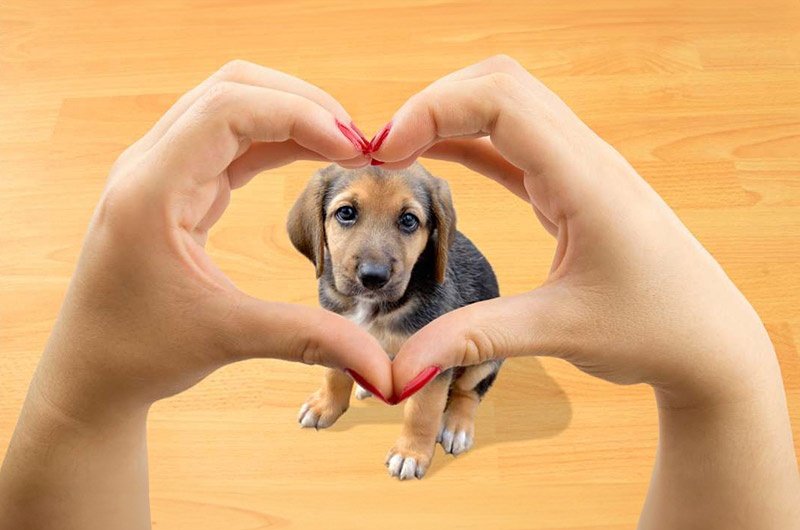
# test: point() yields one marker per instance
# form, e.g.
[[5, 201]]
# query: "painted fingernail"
[[422, 379], [366, 385], [350, 135], [361, 137], [378, 139], [375, 162]]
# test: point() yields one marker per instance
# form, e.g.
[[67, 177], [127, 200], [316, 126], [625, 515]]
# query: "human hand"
[[148, 313], [631, 296]]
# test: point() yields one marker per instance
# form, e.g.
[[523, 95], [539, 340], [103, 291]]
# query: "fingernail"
[[422, 379], [350, 135], [375, 162], [361, 137], [365, 384], [378, 139]]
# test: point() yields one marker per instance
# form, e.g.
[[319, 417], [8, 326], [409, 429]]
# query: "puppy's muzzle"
[[373, 276]]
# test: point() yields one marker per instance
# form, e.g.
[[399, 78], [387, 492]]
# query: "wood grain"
[[702, 97]]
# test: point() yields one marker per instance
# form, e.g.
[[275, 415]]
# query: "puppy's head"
[[374, 225]]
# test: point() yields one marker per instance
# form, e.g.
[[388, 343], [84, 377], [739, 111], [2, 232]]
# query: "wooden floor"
[[702, 97]]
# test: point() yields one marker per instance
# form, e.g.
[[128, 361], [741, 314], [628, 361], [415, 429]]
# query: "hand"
[[148, 314], [631, 297]]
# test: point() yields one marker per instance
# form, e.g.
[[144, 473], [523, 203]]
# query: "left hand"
[[148, 314]]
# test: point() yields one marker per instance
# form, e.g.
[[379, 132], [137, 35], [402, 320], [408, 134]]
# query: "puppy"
[[388, 256]]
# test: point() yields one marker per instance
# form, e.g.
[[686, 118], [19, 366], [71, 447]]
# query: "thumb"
[[534, 323], [311, 336]]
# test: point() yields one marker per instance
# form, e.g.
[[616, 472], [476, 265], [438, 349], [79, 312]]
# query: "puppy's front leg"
[[325, 405], [412, 453]]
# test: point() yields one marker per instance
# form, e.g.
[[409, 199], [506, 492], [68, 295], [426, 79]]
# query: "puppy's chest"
[[379, 326]]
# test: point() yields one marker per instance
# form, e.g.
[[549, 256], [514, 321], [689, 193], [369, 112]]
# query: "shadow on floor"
[[525, 403]]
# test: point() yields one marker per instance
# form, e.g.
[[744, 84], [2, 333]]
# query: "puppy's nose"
[[373, 275]]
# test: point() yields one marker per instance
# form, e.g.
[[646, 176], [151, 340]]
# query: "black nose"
[[373, 275]]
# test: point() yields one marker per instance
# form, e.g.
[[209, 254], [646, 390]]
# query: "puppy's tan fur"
[[379, 201]]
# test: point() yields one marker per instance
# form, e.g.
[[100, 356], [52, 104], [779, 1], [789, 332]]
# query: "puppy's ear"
[[306, 224], [445, 216]]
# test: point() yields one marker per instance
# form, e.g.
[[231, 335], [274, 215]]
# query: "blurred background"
[[701, 97]]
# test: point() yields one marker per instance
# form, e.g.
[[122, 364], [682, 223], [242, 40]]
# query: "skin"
[[632, 298], [148, 314]]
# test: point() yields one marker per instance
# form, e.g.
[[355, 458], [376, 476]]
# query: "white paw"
[[404, 468], [362, 393], [308, 418], [319, 412], [456, 442]]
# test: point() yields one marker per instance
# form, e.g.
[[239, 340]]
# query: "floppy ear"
[[445, 216], [306, 224]]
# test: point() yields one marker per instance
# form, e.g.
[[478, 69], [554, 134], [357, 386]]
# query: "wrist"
[[68, 389], [711, 458], [62, 470]]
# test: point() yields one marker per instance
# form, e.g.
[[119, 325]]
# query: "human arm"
[[148, 314], [632, 297]]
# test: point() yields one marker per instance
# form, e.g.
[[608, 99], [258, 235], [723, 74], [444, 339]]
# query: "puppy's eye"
[[346, 215], [409, 222]]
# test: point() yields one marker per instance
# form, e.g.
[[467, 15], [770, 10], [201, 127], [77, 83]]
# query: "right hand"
[[631, 296]]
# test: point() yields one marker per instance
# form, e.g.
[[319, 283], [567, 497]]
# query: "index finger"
[[491, 105], [246, 73], [207, 138]]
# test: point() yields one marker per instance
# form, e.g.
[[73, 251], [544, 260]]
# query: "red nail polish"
[[378, 139], [365, 384], [375, 162], [350, 135], [422, 379], [361, 137]]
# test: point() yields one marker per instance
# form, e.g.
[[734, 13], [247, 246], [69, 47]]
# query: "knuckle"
[[310, 352], [298, 105], [218, 96], [428, 104], [503, 82], [477, 347], [233, 70], [122, 160], [504, 63], [117, 209]]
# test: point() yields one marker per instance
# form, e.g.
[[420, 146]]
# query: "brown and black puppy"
[[388, 257]]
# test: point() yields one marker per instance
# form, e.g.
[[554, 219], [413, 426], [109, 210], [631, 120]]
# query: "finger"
[[480, 156], [499, 64], [265, 156], [539, 135], [535, 323], [207, 138], [246, 73], [401, 164], [308, 335], [496, 64], [467, 108]]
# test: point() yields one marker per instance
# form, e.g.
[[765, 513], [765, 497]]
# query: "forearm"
[[726, 466], [63, 472]]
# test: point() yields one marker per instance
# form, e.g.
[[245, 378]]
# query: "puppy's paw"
[[407, 464], [362, 393], [457, 434], [320, 410]]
